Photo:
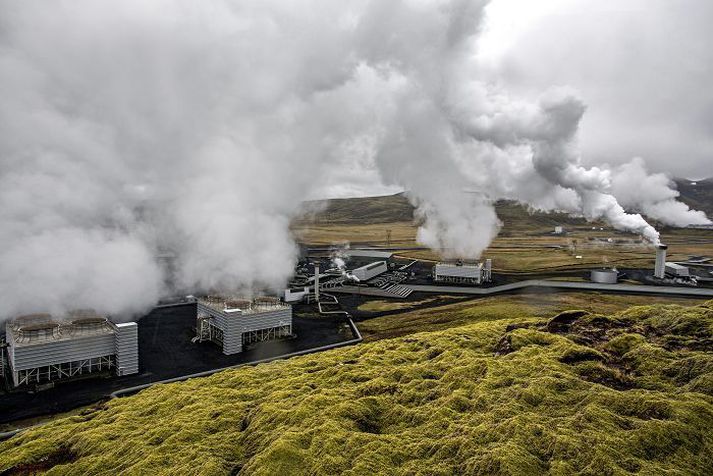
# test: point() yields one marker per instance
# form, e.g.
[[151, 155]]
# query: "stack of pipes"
[[487, 275], [316, 281]]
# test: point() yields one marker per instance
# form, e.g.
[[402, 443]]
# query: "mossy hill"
[[576, 393]]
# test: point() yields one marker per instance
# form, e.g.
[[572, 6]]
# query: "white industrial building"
[[463, 273], [296, 294], [677, 270], [369, 253], [370, 270], [42, 349], [233, 323]]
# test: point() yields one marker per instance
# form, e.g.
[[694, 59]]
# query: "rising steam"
[[339, 258], [130, 128]]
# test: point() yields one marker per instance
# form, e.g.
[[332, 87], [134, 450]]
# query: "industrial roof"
[[22, 332], [456, 265], [232, 304], [371, 265], [370, 253], [675, 265]]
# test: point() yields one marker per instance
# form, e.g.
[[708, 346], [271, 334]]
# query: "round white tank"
[[604, 276]]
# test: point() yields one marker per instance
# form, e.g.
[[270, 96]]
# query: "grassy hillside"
[[396, 208], [365, 210], [503, 308], [698, 196], [579, 393]]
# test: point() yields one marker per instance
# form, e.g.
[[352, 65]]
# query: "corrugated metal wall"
[[27, 357], [232, 332], [126, 344], [266, 320], [235, 324], [458, 271]]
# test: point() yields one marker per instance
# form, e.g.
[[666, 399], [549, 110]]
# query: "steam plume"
[[133, 127]]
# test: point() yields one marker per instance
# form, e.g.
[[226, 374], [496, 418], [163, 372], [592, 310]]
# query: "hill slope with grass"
[[577, 393], [397, 208], [697, 194]]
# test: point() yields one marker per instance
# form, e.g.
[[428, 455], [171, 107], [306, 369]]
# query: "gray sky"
[[643, 67]]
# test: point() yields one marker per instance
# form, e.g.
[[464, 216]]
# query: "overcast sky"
[[643, 67]]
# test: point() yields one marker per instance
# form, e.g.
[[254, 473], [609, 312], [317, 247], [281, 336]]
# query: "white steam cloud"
[[133, 127], [339, 258]]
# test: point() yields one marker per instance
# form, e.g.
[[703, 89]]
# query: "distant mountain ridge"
[[698, 196], [396, 208]]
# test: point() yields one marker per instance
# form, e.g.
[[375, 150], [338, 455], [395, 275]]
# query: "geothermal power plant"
[[41, 350]]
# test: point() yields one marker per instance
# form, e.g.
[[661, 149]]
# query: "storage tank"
[[604, 276]]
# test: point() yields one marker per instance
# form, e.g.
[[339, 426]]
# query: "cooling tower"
[[660, 267]]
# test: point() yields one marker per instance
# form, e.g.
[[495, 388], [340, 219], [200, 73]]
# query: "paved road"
[[584, 286]]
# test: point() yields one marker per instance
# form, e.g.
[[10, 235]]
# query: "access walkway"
[[684, 291]]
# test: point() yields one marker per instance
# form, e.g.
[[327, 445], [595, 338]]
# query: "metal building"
[[369, 253], [42, 349], [233, 323], [296, 294], [677, 270], [371, 270], [604, 276], [462, 273]]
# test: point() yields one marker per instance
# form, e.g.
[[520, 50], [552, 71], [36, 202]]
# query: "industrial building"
[[604, 276], [370, 270], [233, 323], [42, 349], [296, 294], [677, 270], [666, 270], [462, 273]]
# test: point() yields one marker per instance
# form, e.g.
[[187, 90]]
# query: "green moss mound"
[[575, 394]]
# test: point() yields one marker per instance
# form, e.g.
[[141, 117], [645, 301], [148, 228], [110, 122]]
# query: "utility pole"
[[388, 238]]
